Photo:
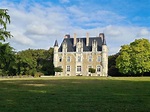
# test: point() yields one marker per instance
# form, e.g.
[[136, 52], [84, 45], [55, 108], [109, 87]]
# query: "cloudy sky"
[[36, 24]]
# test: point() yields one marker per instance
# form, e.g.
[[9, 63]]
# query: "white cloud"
[[64, 1], [37, 26], [144, 32]]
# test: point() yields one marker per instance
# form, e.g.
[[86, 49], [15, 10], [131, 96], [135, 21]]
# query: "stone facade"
[[76, 55]]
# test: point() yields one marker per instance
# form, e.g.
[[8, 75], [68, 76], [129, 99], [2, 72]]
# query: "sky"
[[36, 24]]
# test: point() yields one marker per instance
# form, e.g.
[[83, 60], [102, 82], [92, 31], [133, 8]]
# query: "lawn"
[[75, 94]]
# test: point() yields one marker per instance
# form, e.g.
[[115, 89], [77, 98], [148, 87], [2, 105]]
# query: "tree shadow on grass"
[[71, 95]]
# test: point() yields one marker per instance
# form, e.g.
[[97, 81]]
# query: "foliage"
[[36, 61], [58, 69], [134, 59], [92, 70], [7, 59], [112, 70], [4, 19]]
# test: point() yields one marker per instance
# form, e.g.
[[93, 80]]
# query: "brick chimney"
[[87, 39], [75, 39]]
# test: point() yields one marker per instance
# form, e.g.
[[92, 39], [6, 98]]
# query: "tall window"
[[68, 68], [68, 59], [98, 68], [78, 68], [90, 58], [99, 58], [79, 58]]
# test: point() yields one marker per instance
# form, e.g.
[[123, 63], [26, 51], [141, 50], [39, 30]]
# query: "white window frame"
[[90, 58], [68, 68], [68, 59], [99, 58], [98, 69], [79, 68]]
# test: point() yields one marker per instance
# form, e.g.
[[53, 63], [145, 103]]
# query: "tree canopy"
[[134, 58], [4, 20]]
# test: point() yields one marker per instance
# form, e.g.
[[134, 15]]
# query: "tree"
[[4, 19], [31, 61], [112, 70], [134, 59], [7, 59]]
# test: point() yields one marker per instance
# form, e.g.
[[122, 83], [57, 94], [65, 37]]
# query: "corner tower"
[[104, 56], [55, 53]]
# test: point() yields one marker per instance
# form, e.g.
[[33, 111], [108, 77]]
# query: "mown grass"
[[75, 94]]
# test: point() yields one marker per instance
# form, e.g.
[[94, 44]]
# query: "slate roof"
[[72, 48]]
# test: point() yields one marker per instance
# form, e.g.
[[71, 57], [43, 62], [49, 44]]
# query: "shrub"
[[58, 69], [92, 70]]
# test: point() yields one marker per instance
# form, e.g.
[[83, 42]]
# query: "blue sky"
[[37, 23]]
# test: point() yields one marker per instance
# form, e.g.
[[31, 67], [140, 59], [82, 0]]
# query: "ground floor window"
[[78, 68], [68, 68], [98, 68], [89, 68]]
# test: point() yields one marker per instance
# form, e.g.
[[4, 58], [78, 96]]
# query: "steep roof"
[[72, 48]]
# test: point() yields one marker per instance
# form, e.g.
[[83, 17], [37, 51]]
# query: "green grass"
[[75, 94]]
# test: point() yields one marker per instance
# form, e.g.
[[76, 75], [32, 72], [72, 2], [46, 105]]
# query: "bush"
[[92, 70], [58, 69]]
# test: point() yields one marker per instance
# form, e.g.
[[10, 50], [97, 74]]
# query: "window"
[[79, 58], [68, 68], [68, 59], [60, 59], [89, 68], [90, 58], [99, 58], [78, 68], [98, 68]]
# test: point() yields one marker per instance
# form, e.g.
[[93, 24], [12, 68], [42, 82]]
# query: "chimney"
[[87, 39], [101, 35], [67, 36], [75, 39]]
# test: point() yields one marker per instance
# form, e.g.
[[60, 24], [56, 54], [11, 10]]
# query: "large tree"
[[134, 59], [112, 70], [7, 59], [4, 19]]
